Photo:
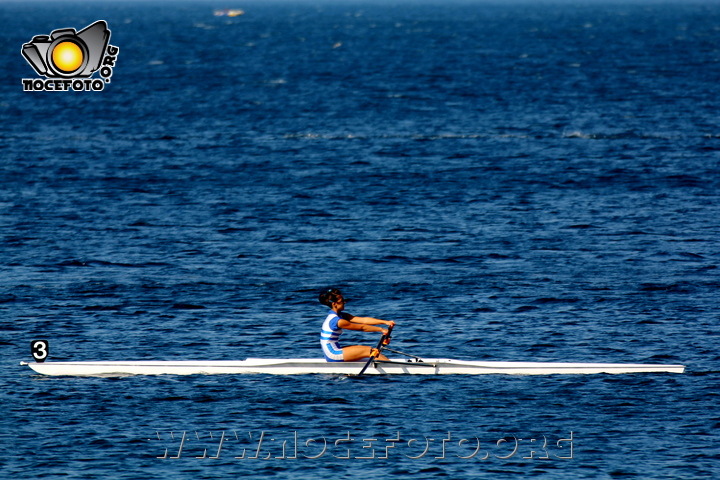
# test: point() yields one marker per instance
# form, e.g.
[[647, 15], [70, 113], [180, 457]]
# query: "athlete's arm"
[[362, 327], [365, 320], [372, 321]]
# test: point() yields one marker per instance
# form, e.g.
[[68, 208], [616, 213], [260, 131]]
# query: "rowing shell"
[[438, 366]]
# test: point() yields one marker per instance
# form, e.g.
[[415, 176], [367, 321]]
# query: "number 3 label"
[[40, 350]]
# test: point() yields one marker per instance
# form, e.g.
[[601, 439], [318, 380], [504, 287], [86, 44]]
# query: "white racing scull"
[[299, 366], [279, 366]]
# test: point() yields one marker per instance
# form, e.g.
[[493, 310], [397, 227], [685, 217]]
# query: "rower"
[[336, 321]]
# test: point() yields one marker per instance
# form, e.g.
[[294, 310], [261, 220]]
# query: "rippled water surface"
[[522, 182]]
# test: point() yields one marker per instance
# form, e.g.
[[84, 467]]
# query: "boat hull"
[[438, 366]]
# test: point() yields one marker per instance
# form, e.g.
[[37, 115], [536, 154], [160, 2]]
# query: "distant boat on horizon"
[[229, 13]]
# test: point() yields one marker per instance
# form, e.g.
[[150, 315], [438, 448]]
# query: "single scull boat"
[[299, 366], [279, 366]]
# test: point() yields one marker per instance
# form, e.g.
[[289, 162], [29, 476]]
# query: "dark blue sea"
[[529, 181]]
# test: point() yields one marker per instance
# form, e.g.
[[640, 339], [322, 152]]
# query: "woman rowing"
[[337, 321]]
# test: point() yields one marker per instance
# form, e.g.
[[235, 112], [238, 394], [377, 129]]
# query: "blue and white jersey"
[[329, 337]]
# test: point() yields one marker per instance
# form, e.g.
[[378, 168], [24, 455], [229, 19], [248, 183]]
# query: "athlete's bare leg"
[[358, 352]]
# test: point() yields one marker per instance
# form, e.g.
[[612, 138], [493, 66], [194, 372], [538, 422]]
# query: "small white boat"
[[229, 12], [284, 366]]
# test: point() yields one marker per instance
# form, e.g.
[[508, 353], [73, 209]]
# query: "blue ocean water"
[[531, 182]]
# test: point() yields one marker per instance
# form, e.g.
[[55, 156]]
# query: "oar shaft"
[[384, 340], [403, 353]]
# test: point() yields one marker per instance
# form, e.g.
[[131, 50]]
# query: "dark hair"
[[329, 296]]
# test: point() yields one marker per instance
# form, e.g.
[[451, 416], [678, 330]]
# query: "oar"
[[417, 359], [384, 340]]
